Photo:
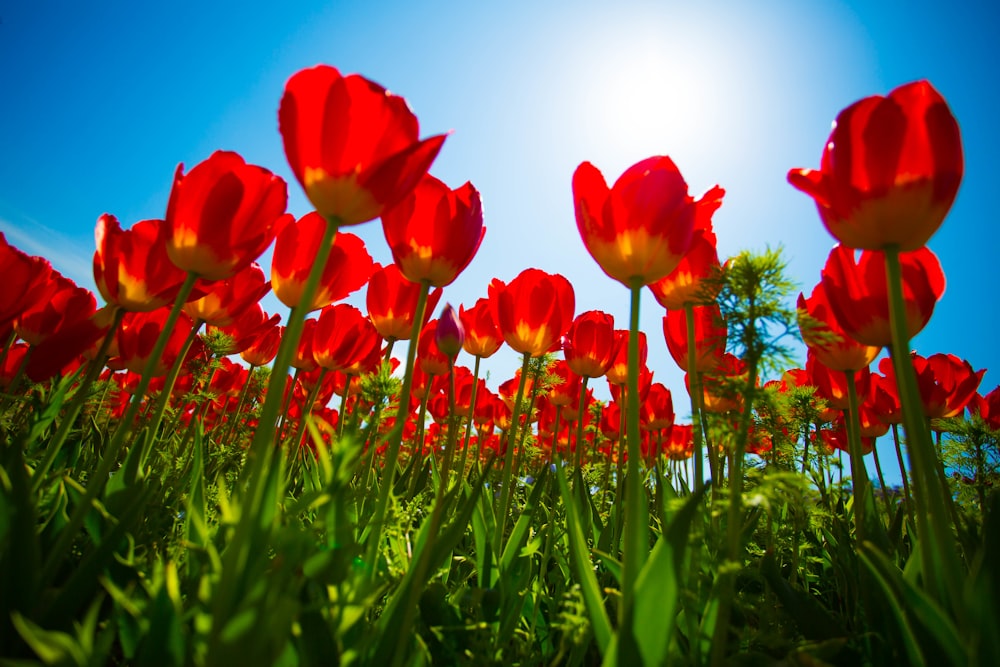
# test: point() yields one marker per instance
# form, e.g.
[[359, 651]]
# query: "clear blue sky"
[[100, 101]]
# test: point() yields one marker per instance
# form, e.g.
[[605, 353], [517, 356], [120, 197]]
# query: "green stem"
[[859, 474], [907, 498], [881, 483], [505, 484], [941, 565], [580, 444], [396, 436], [472, 411], [694, 389]]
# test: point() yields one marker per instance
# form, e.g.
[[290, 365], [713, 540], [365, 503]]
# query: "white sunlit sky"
[[100, 101]]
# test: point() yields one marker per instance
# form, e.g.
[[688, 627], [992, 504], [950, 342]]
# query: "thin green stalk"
[[472, 411], [694, 389], [396, 436], [163, 400], [907, 498], [636, 538], [505, 484], [859, 474], [580, 444], [881, 483], [940, 562]]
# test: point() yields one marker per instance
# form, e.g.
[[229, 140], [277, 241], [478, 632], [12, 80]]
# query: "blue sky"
[[101, 102]]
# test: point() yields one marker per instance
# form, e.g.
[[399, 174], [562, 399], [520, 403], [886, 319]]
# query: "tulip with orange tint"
[[264, 349], [890, 170], [533, 311], [657, 411], [222, 215], [856, 292], [392, 302], [822, 332], [946, 383], [25, 281], [347, 269], [138, 334], [431, 359], [639, 229], [691, 282], [709, 333], [229, 299], [482, 337], [617, 372], [434, 232], [592, 345], [131, 267], [345, 340], [351, 144]]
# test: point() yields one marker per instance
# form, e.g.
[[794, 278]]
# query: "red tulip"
[[690, 282], [229, 299], [392, 302], [26, 281], [434, 232], [709, 333], [657, 411], [987, 408], [347, 268], [681, 444], [131, 267], [222, 215], [831, 385], [351, 144], [856, 292], [345, 340], [718, 385], [591, 345], [565, 389], [617, 372], [65, 305], [825, 337], [431, 359], [482, 337], [890, 170], [883, 396], [303, 358], [246, 329], [639, 229], [138, 335], [265, 348], [533, 311], [946, 383]]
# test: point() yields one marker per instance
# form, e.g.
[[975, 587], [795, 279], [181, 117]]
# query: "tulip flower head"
[[222, 215], [639, 229], [890, 170], [351, 144], [823, 334], [392, 302], [449, 335], [533, 311], [591, 345], [482, 337]]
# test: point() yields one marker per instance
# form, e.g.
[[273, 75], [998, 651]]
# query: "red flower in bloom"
[[533, 311], [890, 170], [987, 408], [856, 292], [617, 372], [11, 364], [434, 232], [25, 281], [566, 388], [645, 382], [351, 144], [883, 396], [347, 268], [429, 357], [345, 340], [611, 421], [657, 411], [946, 383], [250, 325], [131, 267], [831, 385], [720, 385], [822, 332], [639, 229], [264, 349], [303, 358], [222, 215], [681, 444], [482, 337], [138, 334], [709, 333], [392, 302], [689, 282], [591, 345], [231, 298], [65, 305]]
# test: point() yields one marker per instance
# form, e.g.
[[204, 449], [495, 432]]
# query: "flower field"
[[186, 479]]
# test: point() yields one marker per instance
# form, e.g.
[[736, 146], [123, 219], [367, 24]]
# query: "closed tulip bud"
[[450, 334]]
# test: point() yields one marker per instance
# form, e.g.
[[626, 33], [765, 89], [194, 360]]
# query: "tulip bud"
[[450, 334]]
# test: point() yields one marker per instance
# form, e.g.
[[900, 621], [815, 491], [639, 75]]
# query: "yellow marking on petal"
[[340, 196]]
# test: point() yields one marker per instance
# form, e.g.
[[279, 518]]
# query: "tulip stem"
[[508, 466], [940, 562], [859, 475], [396, 436], [636, 533], [907, 498], [580, 445], [694, 389], [472, 411]]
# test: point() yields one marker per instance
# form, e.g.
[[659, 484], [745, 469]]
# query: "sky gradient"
[[101, 102]]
